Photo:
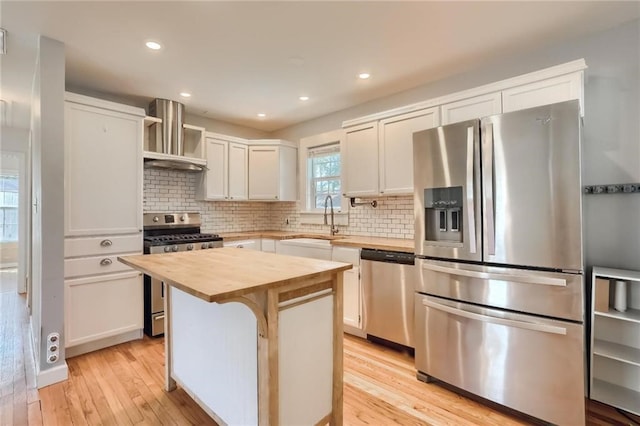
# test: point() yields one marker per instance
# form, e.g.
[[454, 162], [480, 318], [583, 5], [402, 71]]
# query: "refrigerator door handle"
[[470, 189], [502, 321], [527, 279], [489, 181]]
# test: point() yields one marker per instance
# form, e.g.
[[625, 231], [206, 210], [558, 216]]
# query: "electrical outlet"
[[53, 338]]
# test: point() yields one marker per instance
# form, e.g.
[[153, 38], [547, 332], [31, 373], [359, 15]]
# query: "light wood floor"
[[123, 385]]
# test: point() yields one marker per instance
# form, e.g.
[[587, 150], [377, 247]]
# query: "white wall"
[[47, 127], [611, 147]]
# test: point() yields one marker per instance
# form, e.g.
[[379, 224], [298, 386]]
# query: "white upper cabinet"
[[227, 166], [470, 108], [359, 154], [214, 179], [103, 168], [396, 148], [549, 91], [238, 171], [272, 172]]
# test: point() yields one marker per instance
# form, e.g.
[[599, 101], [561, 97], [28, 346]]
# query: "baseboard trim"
[[52, 375], [102, 343], [354, 331]]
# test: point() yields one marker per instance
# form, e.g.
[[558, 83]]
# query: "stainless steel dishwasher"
[[388, 295]]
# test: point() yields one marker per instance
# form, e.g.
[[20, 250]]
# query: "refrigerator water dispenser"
[[443, 214]]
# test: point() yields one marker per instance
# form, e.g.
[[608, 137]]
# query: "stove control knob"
[[183, 217], [189, 246], [167, 249], [156, 219], [203, 246], [211, 245], [174, 248]]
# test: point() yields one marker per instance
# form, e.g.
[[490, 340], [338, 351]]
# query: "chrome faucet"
[[334, 229]]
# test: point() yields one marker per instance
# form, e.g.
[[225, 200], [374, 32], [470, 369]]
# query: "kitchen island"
[[253, 337]]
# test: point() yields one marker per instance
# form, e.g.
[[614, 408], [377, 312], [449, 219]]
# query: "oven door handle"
[[527, 279], [494, 320]]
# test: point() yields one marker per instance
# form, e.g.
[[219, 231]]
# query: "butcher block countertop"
[[225, 273], [380, 243]]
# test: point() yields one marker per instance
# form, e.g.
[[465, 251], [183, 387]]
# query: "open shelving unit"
[[615, 340], [193, 142]]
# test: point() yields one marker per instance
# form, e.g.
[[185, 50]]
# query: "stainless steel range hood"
[[171, 137]]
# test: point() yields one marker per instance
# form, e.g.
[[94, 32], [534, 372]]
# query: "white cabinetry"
[[103, 169], [103, 215], [272, 171], [238, 171], [549, 91], [615, 339], [472, 108], [248, 244], [352, 304], [268, 245], [227, 169], [359, 152], [396, 148]]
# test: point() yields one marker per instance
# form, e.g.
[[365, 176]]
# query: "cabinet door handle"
[[106, 243], [106, 262]]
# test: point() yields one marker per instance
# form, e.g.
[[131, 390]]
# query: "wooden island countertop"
[[226, 273]]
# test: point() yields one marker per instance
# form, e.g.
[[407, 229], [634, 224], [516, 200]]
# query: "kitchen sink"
[[306, 247]]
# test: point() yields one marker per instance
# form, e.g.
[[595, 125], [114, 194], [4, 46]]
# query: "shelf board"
[[616, 351], [619, 274], [617, 396], [159, 156], [632, 315], [148, 120]]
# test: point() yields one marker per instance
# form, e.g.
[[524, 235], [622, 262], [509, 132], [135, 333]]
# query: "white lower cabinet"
[[102, 306], [268, 245], [352, 303], [248, 244]]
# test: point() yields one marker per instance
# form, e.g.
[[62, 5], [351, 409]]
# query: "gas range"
[[164, 233], [171, 232]]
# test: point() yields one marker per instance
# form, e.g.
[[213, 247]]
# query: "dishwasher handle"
[[388, 256]]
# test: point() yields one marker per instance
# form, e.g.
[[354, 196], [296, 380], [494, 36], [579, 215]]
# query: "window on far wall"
[[323, 176], [8, 208]]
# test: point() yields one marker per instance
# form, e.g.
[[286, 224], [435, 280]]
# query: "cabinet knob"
[[106, 262], [106, 243], [231, 198], [276, 197]]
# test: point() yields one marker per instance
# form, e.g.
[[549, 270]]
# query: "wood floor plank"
[[34, 414]]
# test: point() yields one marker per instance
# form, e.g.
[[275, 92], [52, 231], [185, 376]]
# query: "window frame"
[[316, 216]]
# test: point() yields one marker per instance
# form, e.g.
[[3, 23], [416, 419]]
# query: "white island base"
[[215, 359]]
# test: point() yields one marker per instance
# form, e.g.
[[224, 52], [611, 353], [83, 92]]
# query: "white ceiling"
[[241, 58]]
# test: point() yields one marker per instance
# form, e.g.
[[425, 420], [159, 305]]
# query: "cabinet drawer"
[[95, 246], [94, 265], [103, 306]]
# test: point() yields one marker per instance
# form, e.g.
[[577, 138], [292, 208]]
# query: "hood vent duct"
[[172, 115], [171, 136]]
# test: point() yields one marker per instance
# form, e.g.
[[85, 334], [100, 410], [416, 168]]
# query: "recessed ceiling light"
[[304, 98], [364, 75], [153, 45], [262, 115], [185, 94]]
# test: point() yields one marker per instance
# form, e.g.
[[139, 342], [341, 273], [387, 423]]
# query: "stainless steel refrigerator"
[[499, 305]]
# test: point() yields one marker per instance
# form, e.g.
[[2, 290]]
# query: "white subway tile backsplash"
[[173, 190]]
